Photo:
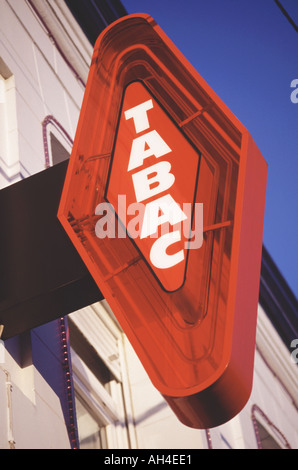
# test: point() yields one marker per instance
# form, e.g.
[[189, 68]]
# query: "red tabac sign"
[[154, 183], [164, 201]]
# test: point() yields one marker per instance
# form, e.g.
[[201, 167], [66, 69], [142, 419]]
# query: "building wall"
[[36, 83], [44, 61], [31, 416], [43, 84]]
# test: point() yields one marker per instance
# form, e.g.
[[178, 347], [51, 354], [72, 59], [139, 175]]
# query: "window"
[[92, 432], [57, 142], [58, 151], [266, 440], [97, 378], [268, 436]]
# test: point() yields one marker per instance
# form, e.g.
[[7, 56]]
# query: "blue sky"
[[247, 51]]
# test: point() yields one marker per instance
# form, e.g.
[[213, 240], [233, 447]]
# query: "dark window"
[[59, 152], [267, 434], [266, 440], [88, 355]]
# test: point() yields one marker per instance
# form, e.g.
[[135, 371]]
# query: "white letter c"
[[158, 256]]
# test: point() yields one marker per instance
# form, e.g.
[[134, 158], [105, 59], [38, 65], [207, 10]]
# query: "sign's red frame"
[[197, 343]]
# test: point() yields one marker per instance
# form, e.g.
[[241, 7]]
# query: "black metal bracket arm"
[[42, 277]]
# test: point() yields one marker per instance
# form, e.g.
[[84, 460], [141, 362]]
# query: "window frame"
[[51, 125], [258, 416], [112, 408]]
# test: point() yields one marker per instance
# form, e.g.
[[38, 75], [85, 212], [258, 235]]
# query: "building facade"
[[76, 382]]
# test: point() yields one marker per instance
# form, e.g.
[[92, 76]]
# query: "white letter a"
[[145, 146]]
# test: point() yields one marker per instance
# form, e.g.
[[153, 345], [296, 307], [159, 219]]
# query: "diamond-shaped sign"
[[147, 177], [164, 200]]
